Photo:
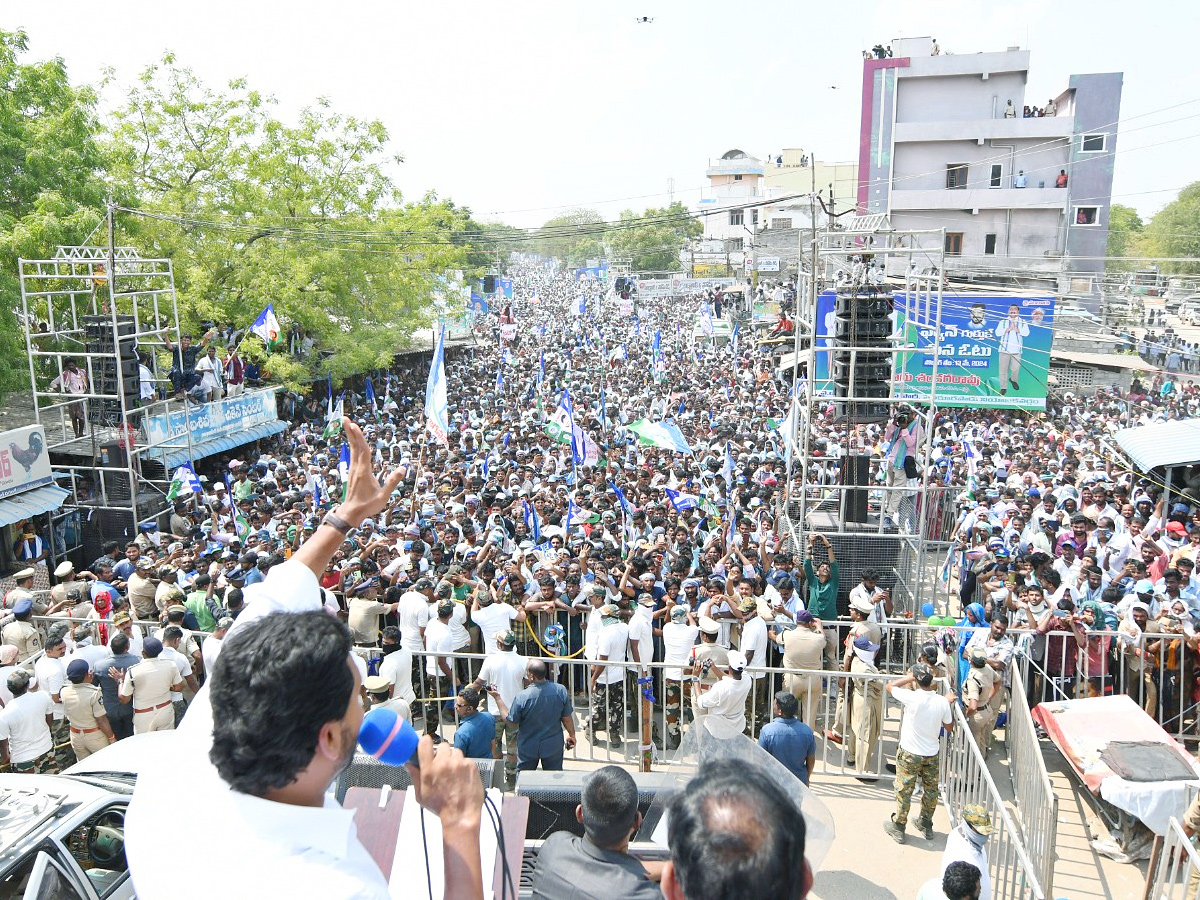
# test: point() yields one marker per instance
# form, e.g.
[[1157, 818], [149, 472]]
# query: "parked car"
[[1189, 313]]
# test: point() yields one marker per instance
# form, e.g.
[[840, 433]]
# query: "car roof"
[[31, 806]]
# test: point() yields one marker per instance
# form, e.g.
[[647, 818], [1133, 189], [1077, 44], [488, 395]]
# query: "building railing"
[[966, 781], [1037, 804], [1174, 870]]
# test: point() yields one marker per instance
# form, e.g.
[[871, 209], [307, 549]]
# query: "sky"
[[524, 110]]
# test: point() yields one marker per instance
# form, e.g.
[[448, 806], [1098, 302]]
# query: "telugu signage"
[[214, 420], [24, 461], [768, 264], [673, 287]]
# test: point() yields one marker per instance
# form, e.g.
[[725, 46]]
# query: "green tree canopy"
[[573, 237], [654, 239], [1124, 231], [253, 210], [52, 166], [1175, 231]]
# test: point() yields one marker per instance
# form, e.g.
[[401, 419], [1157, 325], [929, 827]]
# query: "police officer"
[[21, 633], [23, 590], [84, 705], [148, 686], [707, 649], [978, 687]]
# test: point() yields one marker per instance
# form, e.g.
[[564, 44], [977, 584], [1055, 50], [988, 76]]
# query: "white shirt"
[[437, 640], [413, 613], [493, 620], [209, 649], [959, 849], [459, 636], [754, 638], [591, 634], [23, 725], [726, 703], [925, 712], [51, 676], [396, 667], [641, 629], [272, 849], [613, 642], [182, 663], [504, 669], [678, 640]]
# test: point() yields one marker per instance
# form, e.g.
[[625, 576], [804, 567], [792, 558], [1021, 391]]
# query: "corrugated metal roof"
[[31, 503], [1174, 443], [1106, 360], [174, 456]]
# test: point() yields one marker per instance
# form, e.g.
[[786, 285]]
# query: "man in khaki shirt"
[[84, 705], [21, 633], [142, 587], [365, 610], [804, 648], [148, 687], [978, 687]]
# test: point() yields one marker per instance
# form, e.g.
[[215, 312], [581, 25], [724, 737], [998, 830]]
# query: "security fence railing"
[[1037, 804], [1174, 870], [966, 781]]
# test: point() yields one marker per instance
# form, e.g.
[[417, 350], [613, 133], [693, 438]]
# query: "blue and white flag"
[[733, 341], [728, 470], [369, 390], [618, 354], [681, 502], [625, 507], [541, 375], [266, 326], [344, 462], [184, 481], [561, 427], [532, 521], [679, 412], [316, 493], [580, 305], [706, 322], [437, 413]]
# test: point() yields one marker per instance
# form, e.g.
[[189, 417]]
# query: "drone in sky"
[[644, 20]]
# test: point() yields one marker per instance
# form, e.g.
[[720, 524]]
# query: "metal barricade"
[[1174, 870], [965, 780], [1037, 804]]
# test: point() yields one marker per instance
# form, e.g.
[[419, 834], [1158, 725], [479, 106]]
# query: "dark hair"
[[120, 643], [471, 696], [734, 835], [869, 574], [610, 805], [960, 880], [277, 682], [172, 633], [787, 704]]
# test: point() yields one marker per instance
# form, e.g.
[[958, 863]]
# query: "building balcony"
[[979, 130], [980, 198]]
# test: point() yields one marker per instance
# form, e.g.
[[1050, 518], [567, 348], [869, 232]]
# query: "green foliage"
[[253, 210], [1175, 231], [654, 239], [51, 183], [1124, 230], [574, 237]]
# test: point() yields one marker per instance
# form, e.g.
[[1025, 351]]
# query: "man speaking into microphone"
[[266, 737]]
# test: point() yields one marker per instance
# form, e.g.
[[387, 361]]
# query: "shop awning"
[[1174, 443], [172, 456], [31, 503]]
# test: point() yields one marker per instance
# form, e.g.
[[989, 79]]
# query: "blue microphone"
[[388, 737]]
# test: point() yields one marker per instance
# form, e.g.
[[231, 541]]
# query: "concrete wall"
[[922, 165], [959, 97], [1097, 108], [1032, 233]]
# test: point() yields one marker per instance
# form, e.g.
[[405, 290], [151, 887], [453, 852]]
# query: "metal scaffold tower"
[[106, 312], [869, 299]]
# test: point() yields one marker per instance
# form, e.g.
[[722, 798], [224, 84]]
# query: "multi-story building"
[[945, 142]]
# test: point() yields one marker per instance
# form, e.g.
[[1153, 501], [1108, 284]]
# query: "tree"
[[253, 210], [1175, 231], [52, 190], [573, 237], [1124, 230], [654, 239]]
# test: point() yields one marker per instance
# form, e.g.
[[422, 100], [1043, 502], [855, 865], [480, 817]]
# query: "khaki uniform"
[[866, 716], [804, 649], [84, 704], [978, 687], [149, 683], [141, 595], [363, 619], [24, 637]]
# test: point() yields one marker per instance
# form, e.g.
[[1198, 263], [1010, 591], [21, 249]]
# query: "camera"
[[489, 687], [706, 665]]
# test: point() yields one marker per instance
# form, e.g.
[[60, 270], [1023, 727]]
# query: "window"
[[1093, 143], [956, 176], [754, 217], [781, 224], [735, 217], [954, 243], [733, 244], [989, 244], [1087, 215], [737, 177], [996, 175]]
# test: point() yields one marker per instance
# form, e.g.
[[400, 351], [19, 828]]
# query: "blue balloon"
[[927, 609]]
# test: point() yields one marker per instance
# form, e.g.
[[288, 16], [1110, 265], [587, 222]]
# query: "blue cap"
[[152, 647], [1144, 586], [862, 642], [23, 607]]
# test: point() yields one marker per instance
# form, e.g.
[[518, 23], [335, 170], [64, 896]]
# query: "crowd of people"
[[554, 524]]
